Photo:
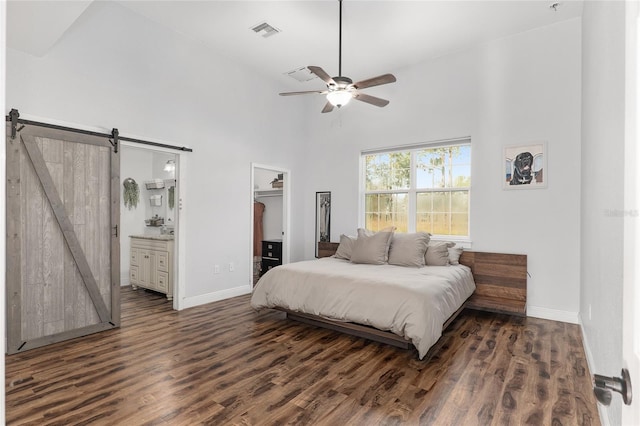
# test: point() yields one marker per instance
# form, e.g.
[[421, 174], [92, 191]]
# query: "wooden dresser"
[[151, 263]]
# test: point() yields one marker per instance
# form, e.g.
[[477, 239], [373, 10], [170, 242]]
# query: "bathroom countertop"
[[162, 237]]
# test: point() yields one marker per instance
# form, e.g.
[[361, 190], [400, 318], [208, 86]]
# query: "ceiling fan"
[[340, 90]]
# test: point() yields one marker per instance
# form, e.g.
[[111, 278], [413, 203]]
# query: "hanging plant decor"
[[131, 193], [172, 194]]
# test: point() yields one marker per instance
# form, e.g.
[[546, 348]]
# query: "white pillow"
[[454, 255], [346, 247], [408, 249], [372, 247], [438, 253]]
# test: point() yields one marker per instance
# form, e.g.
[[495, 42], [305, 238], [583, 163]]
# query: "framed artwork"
[[525, 166], [323, 218]]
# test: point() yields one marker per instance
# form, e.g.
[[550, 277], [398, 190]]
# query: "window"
[[423, 188]]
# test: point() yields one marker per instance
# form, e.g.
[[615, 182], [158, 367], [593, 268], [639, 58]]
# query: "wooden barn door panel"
[[63, 248]]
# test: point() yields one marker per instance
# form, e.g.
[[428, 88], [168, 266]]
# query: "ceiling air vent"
[[301, 74], [265, 30]]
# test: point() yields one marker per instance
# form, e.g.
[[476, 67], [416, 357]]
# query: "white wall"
[[603, 127], [512, 91], [114, 68]]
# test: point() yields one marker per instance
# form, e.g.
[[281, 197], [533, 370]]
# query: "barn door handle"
[[115, 228], [603, 385]]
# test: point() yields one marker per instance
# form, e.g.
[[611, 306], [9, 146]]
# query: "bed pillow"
[[408, 249], [438, 253], [346, 247], [454, 255], [372, 247]]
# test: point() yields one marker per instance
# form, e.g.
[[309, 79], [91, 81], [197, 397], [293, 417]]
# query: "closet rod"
[[91, 133]]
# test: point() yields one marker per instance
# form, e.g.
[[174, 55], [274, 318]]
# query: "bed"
[[410, 302], [397, 305]]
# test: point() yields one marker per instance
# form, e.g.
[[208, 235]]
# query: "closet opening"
[[269, 219]]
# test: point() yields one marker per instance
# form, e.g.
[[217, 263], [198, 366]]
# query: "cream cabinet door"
[[150, 266]]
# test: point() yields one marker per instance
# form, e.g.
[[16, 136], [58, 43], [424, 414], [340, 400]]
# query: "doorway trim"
[[286, 213], [631, 270]]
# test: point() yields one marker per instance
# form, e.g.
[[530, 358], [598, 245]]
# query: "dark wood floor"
[[223, 363]]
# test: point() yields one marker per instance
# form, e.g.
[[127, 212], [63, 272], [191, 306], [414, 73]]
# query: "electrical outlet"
[[231, 267], [216, 269], [589, 311]]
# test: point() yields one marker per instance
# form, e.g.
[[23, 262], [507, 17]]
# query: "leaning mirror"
[[323, 218]]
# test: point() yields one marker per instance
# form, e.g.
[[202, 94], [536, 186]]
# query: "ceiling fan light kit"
[[340, 90], [339, 97]]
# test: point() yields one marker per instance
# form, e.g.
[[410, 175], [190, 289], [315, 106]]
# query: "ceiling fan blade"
[[328, 107], [308, 92], [375, 81], [379, 102], [322, 74]]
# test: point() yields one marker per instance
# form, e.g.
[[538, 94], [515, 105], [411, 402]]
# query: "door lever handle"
[[603, 385]]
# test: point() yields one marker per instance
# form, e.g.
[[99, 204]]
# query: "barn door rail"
[[114, 137]]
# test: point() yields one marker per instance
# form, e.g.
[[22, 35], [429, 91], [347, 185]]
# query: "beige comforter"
[[410, 302]]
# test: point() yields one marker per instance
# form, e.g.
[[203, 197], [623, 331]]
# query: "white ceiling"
[[378, 36], [35, 26]]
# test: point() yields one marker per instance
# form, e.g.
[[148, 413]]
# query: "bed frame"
[[358, 330], [501, 286]]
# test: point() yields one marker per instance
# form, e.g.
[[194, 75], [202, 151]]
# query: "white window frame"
[[412, 191]]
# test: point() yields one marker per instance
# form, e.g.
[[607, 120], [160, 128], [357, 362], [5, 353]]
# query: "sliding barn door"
[[63, 268]]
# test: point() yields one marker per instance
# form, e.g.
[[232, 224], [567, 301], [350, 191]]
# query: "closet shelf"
[[268, 193]]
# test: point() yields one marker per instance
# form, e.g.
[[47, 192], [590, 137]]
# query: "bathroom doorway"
[[270, 186], [149, 216]]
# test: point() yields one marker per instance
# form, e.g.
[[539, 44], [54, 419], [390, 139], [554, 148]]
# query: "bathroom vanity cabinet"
[[151, 263]]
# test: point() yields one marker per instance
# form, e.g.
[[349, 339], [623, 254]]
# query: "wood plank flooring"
[[224, 364]]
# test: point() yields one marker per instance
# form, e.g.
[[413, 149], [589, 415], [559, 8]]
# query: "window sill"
[[460, 241]]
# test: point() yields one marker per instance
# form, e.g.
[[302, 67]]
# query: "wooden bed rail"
[[501, 279]]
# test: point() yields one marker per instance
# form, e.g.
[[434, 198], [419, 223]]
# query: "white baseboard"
[[190, 302], [553, 314], [602, 410]]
